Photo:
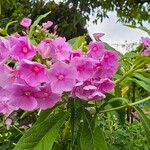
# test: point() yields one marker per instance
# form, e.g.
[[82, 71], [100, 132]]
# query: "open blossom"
[[47, 24], [45, 48], [107, 66], [146, 41], [4, 76], [62, 77], [33, 73], [87, 91], [5, 102], [23, 96], [105, 85], [22, 48], [4, 49], [26, 22], [147, 52], [46, 98], [76, 53], [96, 50], [62, 49], [8, 76], [97, 36], [84, 68]]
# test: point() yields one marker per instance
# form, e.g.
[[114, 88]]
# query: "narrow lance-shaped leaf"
[[91, 139], [36, 22], [43, 135], [145, 121]]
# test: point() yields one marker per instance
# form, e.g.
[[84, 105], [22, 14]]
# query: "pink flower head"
[[47, 24], [4, 49], [46, 98], [97, 36], [5, 103], [23, 96], [62, 77], [33, 73], [45, 48], [108, 65], [62, 49], [84, 67], [147, 52], [105, 85], [146, 41], [96, 50], [22, 48], [26, 22], [87, 91]]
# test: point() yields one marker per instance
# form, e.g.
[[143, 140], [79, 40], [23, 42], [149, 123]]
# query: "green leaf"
[[142, 78], [131, 55], [91, 139], [116, 102], [42, 135], [77, 42], [100, 139], [9, 24], [145, 121], [36, 22], [142, 84]]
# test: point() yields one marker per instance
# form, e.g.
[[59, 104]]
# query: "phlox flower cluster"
[[35, 77]]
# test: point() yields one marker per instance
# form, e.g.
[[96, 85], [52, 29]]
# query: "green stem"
[[72, 119], [125, 106], [125, 75], [17, 129]]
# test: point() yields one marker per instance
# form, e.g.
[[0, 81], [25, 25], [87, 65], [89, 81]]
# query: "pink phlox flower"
[[4, 49], [5, 103], [97, 36], [26, 22], [76, 53], [47, 24], [4, 76], [107, 66], [45, 48], [96, 50], [33, 73], [62, 48], [105, 85], [62, 77], [87, 91], [46, 98], [23, 96], [147, 52], [84, 67], [22, 48], [146, 41]]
